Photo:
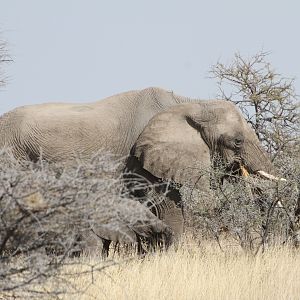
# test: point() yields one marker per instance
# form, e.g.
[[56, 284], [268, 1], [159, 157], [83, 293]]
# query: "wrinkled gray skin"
[[165, 148], [61, 131], [179, 142]]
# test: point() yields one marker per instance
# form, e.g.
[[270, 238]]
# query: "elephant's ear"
[[170, 148]]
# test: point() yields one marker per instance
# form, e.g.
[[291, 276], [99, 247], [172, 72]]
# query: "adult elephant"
[[169, 136], [180, 143], [61, 131]]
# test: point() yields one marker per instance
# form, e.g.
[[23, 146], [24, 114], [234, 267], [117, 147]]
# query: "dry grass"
[[195, 272]]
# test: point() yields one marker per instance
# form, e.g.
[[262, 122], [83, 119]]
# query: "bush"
[[48, 210], [254, 212]]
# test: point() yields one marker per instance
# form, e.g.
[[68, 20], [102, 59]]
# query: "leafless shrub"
[[4, 58], [256, 213], [270, 104], [267, 100], [48, 210]]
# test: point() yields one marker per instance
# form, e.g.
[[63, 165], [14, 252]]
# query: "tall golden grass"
[[197, 272]]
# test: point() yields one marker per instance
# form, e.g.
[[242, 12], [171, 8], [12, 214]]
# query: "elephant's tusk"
[[269, 176], [272, 177], [245, 173]]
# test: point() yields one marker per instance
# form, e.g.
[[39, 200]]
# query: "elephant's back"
[[51, 109], [111, 124], [56, 129]]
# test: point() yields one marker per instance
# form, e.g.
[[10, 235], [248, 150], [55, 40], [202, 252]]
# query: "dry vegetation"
[[267, 100], [197, 272], [49, 213], [234, 251]]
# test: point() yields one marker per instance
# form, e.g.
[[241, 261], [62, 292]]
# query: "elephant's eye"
[[238, 142]]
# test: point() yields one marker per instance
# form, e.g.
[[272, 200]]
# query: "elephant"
[[182, 140], [61, 132], [164, 134], [137, 227], [139, 224]]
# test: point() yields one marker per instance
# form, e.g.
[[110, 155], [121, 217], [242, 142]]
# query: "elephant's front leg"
[[168, 207], [163, 199], [174, 218]]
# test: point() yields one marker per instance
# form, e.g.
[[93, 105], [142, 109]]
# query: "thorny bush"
[[46, 210], [256, 213]]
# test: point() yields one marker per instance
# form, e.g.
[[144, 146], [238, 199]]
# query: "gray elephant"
[[166, 136], [181, 141], [132, 223], [128, 222], [61, 131]]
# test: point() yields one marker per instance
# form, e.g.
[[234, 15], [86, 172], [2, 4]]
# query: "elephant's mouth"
[[237, 166], [239, 169], [245, 173]]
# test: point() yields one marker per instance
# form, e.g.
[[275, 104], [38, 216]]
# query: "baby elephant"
[[136, 226]]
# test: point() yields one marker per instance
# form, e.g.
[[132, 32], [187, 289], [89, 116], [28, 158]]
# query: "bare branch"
[[4, 59], [267, 100], [49, 212]]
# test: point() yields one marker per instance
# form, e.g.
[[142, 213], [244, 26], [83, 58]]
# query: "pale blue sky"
[[76, 50]]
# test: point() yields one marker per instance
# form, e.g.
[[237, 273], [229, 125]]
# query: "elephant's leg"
[[173, 217], [116, 248], [164, 201], [105, 247], [172, 212], [94, 243], [141, 251]]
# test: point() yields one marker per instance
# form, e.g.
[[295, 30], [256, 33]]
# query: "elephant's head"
[[178, 141]]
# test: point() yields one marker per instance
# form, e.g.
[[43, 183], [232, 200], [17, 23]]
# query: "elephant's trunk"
[[255, 159]]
